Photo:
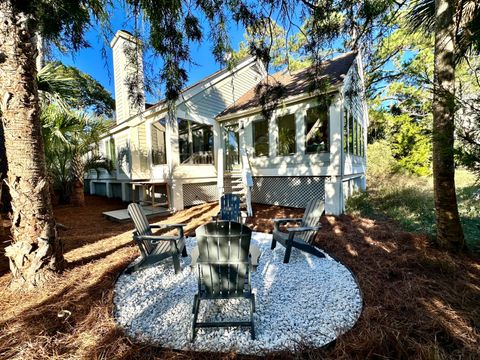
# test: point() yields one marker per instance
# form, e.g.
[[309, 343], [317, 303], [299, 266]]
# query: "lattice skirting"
[[194, 194], [294, 191]]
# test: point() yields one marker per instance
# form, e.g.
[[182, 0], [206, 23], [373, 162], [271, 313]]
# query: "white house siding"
[[215, 99]]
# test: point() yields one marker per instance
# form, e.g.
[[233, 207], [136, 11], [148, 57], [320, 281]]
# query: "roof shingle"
[[296, 83]]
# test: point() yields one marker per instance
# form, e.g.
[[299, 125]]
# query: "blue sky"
[[90, 60]]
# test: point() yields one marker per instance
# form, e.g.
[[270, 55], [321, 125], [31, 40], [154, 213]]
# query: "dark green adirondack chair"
[[155, 248], [223, 269], [300, 237]]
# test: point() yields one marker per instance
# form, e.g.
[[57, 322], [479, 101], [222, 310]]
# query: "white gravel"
[[309, 301]]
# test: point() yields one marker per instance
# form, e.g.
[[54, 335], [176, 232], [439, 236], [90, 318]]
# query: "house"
[[312, 145]]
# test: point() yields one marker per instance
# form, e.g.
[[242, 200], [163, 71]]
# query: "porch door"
[[232, 148]]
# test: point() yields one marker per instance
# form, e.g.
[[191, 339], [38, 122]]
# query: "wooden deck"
[[122, 215]]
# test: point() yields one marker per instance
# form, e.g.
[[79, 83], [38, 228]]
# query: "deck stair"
[[233, 183]]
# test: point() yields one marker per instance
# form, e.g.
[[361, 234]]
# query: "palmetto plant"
[[69, 136], [69, 132]]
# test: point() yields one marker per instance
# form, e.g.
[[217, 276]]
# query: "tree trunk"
[[449, 229], [36, 251], [78, 169]]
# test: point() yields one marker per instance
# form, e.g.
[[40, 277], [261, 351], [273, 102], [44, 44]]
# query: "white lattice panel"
[[294, 191], [195, 194]]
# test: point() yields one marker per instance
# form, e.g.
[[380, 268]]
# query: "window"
[[361, 151], [351, 138], [159, 148], [195, 142], [260, 137], [286, 135], [111, 150], [345, 131], [316, 130], [355, 141]]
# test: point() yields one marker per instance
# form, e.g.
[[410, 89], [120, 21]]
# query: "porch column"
[[333, 195], [108, 189], [125, 196], [177, 195]]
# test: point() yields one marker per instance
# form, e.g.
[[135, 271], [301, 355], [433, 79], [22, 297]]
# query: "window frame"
[[163, 121], [326, 109], [190, 141], [294, 145], [254, 123]]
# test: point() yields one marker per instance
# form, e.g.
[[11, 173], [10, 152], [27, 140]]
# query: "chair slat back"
[[230, 207], [142, 226], [313, 211], [223, 261]]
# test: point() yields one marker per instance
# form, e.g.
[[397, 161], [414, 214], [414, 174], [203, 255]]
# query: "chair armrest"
[[170, 226], [165, 226], [155, 238], [216, 217], [285, 220], [278, 222], [303, 229]]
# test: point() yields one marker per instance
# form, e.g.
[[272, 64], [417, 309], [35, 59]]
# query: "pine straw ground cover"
[[419, 303]]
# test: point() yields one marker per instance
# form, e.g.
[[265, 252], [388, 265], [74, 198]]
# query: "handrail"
[[199, 158]]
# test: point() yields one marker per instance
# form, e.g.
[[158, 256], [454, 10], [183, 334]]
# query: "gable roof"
[[296, 83], [202, 83]]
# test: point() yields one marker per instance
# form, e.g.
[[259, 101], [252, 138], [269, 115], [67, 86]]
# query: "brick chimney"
[[129, 82]]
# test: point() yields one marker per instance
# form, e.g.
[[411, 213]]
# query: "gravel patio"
[[309, 301]]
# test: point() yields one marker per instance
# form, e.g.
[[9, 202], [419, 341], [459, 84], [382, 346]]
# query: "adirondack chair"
[[223, 270], [155, 248], [300, 237], [230, 209]]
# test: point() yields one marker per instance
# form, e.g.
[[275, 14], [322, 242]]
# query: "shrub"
[[380, 161]]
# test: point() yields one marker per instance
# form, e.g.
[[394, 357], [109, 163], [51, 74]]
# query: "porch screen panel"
[[345, 130], [260, 138], [286, 135], [195, 142], [158, 143], [111, 151], [351, 138], [316, 130]]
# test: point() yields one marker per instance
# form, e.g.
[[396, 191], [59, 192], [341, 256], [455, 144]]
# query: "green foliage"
[[68, 136], [409, 201], [284, 50], [64, 22], [380, 160], [411, 143], [467, 32], [401, 112], [73, 89]]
